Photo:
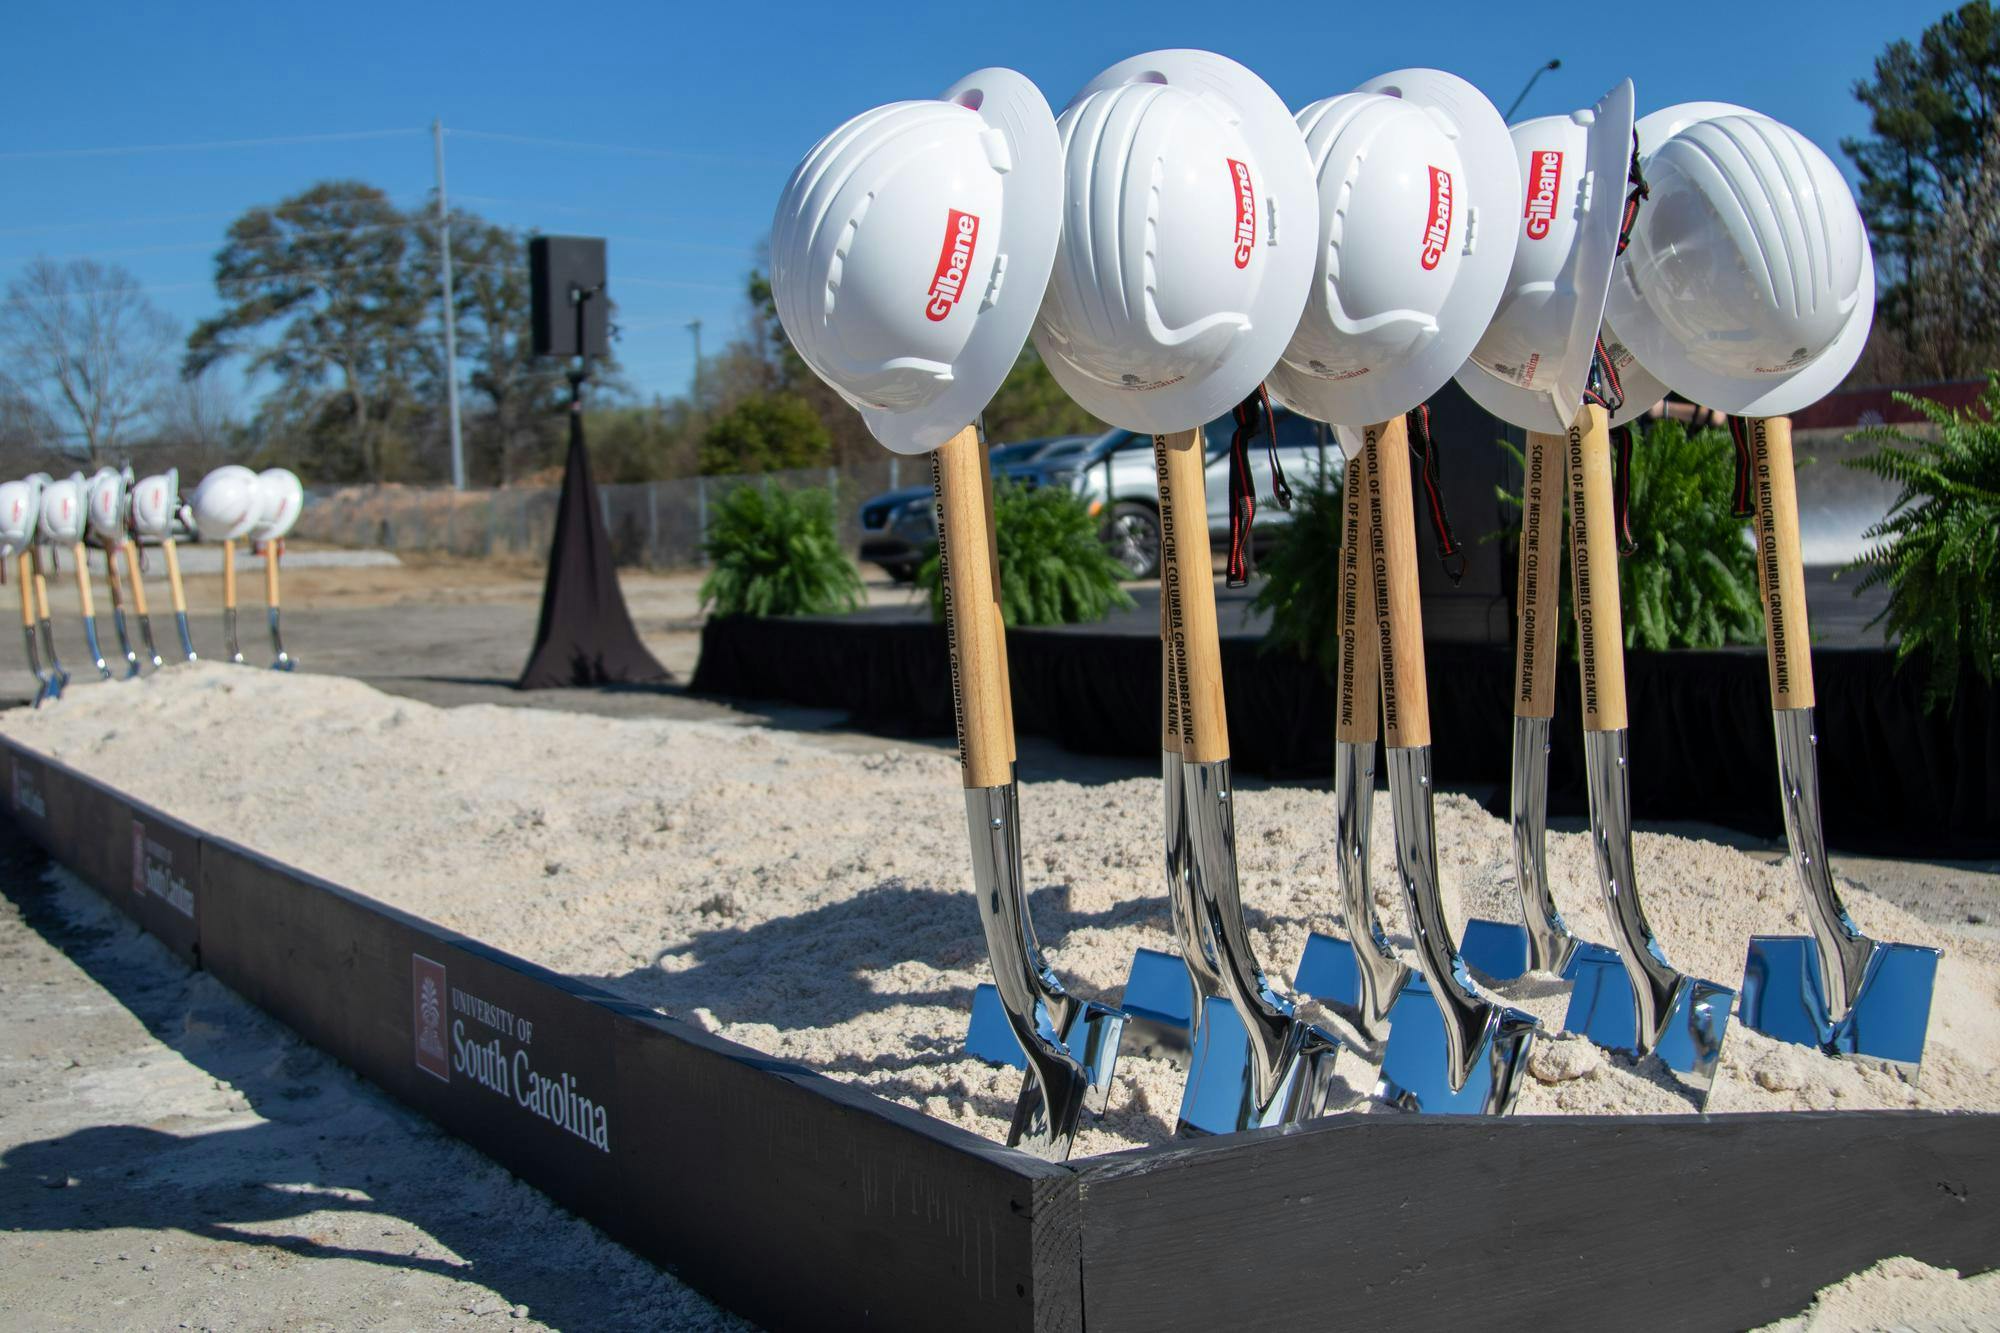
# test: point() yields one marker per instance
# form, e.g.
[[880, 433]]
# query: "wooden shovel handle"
[[999, 618], [112, 579], [41, 586], [1357, 716], [1593, 566], [138, 579], [1781, 570], [82, 559], [1399, 620], [174, 586], [271, 574], [27, 590], [971, 611], [1170, 686], [1536, 604], [229, 575], [1187, 589]]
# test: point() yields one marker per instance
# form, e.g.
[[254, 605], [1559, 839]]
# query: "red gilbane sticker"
[[1437, 233], [961, 236], [1246, 211], [1545, 175]]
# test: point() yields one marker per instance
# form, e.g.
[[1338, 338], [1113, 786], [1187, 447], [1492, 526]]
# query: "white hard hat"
[[1188, 224], [106, 505], [19, 507], [225, 503], [280, 497], [1749, 285], [62, 510], [1533, 363], [1417, 183], [910, 250], [154, 500]]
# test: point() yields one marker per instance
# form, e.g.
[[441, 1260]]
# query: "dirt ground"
[[172, 1159]]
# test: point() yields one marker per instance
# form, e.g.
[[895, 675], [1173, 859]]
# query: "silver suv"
[[1116, 477]]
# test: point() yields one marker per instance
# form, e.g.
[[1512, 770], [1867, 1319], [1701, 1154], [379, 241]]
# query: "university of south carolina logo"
[[961, 236], [1437, 233], [1545, 176], [427, 997], [1246, 211]]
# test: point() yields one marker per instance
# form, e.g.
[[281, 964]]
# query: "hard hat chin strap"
[[1252, 414], [1739, 434], [1604, 389], [1423, 446]]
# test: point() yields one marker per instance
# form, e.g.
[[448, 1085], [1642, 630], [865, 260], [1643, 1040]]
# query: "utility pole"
[[450, 315], [694, 326]]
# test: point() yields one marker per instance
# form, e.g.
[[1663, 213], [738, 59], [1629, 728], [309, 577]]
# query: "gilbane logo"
[[1545, 176], [961, 235], [1437, 233], [1246, 211]]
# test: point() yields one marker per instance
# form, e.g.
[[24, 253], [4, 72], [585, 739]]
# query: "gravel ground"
[[171, 1159]]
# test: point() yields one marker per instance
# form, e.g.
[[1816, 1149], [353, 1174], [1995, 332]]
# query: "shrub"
[[1054, 569], [1939, 547], [1300, 569], [775, 552], [766, 432], [1693, 581]]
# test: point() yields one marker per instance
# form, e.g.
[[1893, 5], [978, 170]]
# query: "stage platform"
[[1894, 780]]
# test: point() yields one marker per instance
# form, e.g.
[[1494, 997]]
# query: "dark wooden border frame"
[[806, 1203]]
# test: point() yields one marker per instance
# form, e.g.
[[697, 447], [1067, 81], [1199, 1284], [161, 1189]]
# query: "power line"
[[632, 149], [283, 141]]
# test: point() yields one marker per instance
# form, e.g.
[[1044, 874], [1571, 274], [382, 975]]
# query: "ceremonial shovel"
[[1836, 989], [46, 685], [118, 610], [229, 643], [273, 548], [138, 577], [1256, 1062], [58, 677], [1069, 1044], [178, 593]]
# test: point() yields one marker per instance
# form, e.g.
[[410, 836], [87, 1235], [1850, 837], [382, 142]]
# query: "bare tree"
[[1955, 276], [86, 349]]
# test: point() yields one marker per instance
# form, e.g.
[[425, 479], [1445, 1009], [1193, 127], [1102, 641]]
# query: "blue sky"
[[719, 101]]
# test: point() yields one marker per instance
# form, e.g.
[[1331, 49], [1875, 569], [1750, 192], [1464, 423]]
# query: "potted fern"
[[1054, 569], [774, 552], [1938, 549]]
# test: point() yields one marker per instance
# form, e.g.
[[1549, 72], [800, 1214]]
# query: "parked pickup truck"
[[1116, 476]]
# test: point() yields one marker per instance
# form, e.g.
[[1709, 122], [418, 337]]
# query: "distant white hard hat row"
[[1177, 237], [239, 502]]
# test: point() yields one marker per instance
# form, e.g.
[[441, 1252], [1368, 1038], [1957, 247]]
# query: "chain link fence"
[[657, 525]]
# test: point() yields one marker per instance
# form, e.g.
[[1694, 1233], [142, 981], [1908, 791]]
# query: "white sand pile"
[[1904, 1295], [816, 905]]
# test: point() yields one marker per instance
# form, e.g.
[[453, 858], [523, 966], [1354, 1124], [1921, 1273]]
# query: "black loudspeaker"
[[561, 268]]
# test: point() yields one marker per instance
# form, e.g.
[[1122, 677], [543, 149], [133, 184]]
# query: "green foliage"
[[1930, 105], [765, 432], [774, 552], [1301, 589], [1939, 548], [1054, 569], [1031, 405], [1693, 581]]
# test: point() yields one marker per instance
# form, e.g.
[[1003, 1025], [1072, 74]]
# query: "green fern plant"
[[777, 553], [1693, 581], [1054, 569], [1938, 550], [1300, 588]]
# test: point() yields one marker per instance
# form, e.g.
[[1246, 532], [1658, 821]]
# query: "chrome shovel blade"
[[1690, 1038], [284, 661], [45, 687], [96, 652], [1416, 1070], [1221, 1095], [146, 637], [58, 674], [1092, 1034], [125, 643], [1494, 950], [1159, 1006], [187, 640], [229, 643], [1783, 997]]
